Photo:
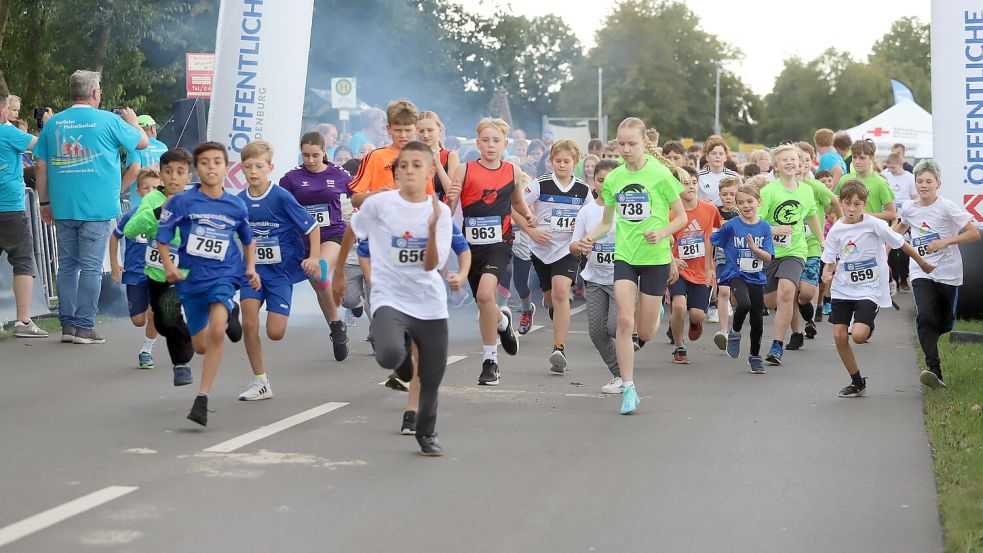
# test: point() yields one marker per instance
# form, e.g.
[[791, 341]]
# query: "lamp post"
[[716, 108]]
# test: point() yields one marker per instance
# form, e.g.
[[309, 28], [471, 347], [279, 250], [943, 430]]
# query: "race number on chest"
[[562, 220], [407, 252], [692, 247], [209, 242], [602, 255], [483, 230], [634, 206], [921, 243], [863, 272], [321, 214], [749, 263], [152, 256], [268, 251]]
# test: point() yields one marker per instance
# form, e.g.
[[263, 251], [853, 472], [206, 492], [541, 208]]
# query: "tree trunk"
[[32, 84], [102, 43]]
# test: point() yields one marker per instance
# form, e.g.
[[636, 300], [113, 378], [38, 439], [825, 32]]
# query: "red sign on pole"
[[200, 69]]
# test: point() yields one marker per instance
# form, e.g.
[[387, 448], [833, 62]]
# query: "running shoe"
[[614, 386], [679, 356], [395, 383], [811, 330], [713, 316], [526, 318], [734, 345], [339, 340], [510, 343], [349, 318], [460, 299], [854, 390], [720, 339], [637, 342], [757, 367], [558, 361], [234, 328], [932, 380], [28, 330], [796, 341], [145, 360], [629, 400], [695, 331], [775, 354], [87, 336], [429, 446], [258, 389], [819, 314], [358, 311], [182, 375], [668, 334], [67, 334], [489, 373], [827, 308], [894, 288], [199, 411], [409, 423]]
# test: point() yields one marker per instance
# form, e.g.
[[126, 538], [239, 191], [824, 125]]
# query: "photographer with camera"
[[141, 159], [78, 185]]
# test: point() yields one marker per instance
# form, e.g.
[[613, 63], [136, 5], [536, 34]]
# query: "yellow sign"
[[687, 142], [748, 148]]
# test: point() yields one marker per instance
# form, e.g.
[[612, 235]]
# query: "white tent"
[[905, 122]]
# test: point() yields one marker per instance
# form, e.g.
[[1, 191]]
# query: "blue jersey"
[[739, 261], [208, 227], [459, 244], [135, 253], [278, 222]]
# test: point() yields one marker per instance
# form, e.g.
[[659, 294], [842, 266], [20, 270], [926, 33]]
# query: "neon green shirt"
[[781, 206], [145, 222], [879, 192], [824, 197]]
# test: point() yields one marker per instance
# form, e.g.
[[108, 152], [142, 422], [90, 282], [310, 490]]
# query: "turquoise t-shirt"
[[13, 142], [147, 157], [81, 147]]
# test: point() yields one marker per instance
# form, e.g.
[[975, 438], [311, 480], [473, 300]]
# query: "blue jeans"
[[81, 249]]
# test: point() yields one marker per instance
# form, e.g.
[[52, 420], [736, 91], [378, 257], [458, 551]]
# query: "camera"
[[39, 116], [118, 111]]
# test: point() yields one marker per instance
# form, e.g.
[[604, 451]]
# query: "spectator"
[[520, 148], [518, 134], [78, 174], [140, 159], [762, 159], [13, 109], [750, 170], [364, 150], [534, 153], [15, 228], [330, 134], [829, 157], [842, 143], [547, 140], [373, 130], [899, 149], [594, 148], [341, 155]]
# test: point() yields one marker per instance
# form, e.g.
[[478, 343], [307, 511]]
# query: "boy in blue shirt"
[[132, 272], [208, 218], [277, 221]]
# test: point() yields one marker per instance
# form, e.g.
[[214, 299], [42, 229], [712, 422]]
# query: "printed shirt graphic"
[[278, 222], [317, 191], [13, 142], [556, 208], [878, 190], [942, 219], [662, 188], [134, 252], [690, 243], [858, 249], [732, 238], [781, 206], [81, 147], [147, 157]]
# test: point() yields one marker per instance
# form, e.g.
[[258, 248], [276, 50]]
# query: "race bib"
[[921, 243], [862, 273], [784, 240], [562, 220], [483, 230], [634, 206], [321, 214], [268, 251], [750, 263], [691, 247], [209, 242], [152, 257], [407, 252], [602, 255]]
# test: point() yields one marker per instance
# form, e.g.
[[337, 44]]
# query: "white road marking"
[[534, 328], [40, 521], [270, 429], [450, 360], [577, 309]]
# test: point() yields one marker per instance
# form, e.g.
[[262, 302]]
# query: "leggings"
[[602, 322], [935, 314], [390, 328], [520, 276], [750, 301], [169, 321], [897, 260]]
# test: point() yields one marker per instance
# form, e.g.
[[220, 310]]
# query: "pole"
[[716, 110], [602, 132]]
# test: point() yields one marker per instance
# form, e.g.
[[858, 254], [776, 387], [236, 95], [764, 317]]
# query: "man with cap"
[[138, 159]]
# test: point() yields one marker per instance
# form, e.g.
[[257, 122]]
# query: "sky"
[[760, 28]]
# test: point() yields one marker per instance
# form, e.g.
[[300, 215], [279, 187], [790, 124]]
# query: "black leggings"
[[935, 313], [169, 321], [750, 300], [897, 260]]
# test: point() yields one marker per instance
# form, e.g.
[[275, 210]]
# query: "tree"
[[905, 54]]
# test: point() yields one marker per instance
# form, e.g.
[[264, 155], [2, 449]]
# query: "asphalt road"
[[98, 456]]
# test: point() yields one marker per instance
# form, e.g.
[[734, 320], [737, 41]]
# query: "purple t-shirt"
[[320, 194]]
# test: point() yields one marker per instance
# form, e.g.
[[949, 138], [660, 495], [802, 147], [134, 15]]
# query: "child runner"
[[747, 245], [277, 222], [175, 172], [785, 204], [855, 252], [409, 301], [555, 200], [938, 226], [728, 210], [641, 194], [132, 272], [429, 128], [208, 217], [880, 202], [488, 196], [318, 186], [602, 315], [716, 152], [902, 183]]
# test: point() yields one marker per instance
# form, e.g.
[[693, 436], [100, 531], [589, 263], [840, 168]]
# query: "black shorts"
[[18, 243], [566, 266], [697, 295], [650, 279], [491, 259], [858, 311]]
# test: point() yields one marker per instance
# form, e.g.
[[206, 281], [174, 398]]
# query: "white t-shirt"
[[397, 233], [862, 272], [709, 184], [556, 207], [903, 186], [600, 260], [942, 219]]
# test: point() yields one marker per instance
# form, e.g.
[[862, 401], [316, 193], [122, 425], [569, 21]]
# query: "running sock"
[[807, 311], [628, 383], [490, 353], [503, 323], [857, 379], [527, 303], [148, 345], [260, 377]]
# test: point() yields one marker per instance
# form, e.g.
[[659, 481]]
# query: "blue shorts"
[[137, 298], [810, 275], [276, 294], [197, 303]]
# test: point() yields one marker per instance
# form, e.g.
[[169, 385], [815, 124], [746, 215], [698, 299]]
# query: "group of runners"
[[648, 236]]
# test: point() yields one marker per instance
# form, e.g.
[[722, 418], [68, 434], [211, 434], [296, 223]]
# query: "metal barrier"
[[45, 247]]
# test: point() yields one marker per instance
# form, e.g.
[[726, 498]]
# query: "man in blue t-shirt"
[[78, 184], [140, 159]]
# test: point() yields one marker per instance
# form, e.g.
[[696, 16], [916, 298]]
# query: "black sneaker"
[[199, 411], [811, 330], [854, 390], [394, 383], [796, 341], [637, 342], [509, 341], [668, 335], [409, 423], [819, 314], [339, 340], [358, 311], [429, 446], [234, 328], [489, 373]]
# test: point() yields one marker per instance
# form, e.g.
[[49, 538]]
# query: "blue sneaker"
[[733, 344], [182, 375], [629, 400], [757, 367], [146, 361], [775, 354], [827, 308]]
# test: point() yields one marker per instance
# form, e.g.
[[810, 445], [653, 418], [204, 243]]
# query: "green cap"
[[146, 121]]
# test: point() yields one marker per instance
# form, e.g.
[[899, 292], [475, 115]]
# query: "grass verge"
[[954, 419]]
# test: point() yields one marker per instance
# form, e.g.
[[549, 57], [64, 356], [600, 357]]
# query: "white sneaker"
[[712, 315], [28, 330], [894, 288], [258, 389], [614, 386]]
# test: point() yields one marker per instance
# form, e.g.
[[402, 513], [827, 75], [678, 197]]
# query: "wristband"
[[42, 204]]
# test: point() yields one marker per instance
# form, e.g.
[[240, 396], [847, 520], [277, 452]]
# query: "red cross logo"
[[879, 132]]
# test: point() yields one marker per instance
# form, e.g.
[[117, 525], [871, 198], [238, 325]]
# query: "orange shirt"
[[691, 243], [376, 172]]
